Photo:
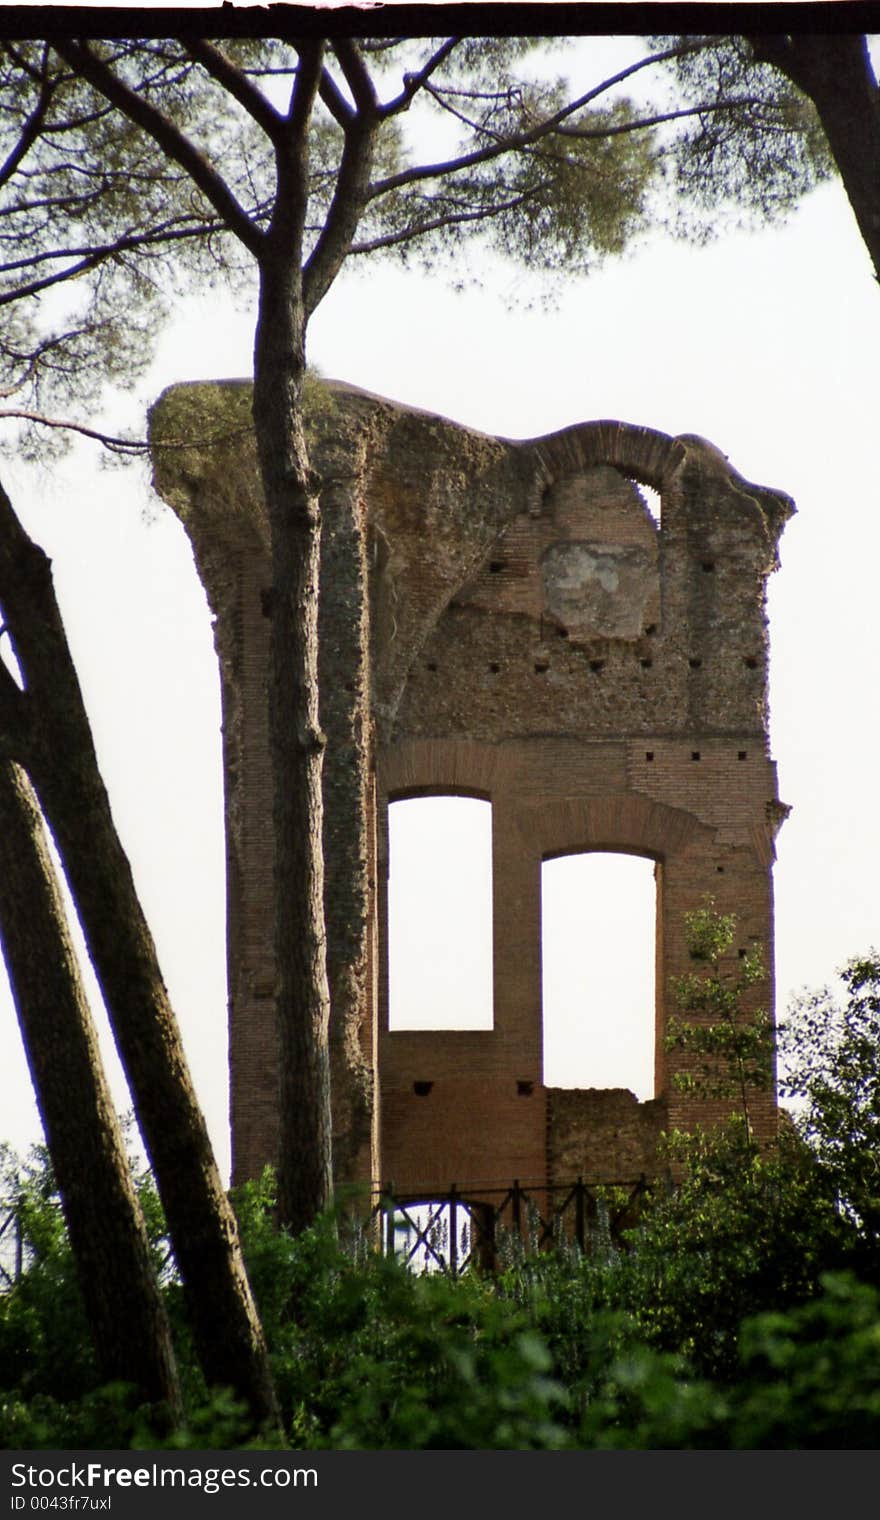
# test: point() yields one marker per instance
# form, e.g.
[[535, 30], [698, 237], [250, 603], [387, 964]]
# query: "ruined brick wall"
[[602, 680], [507, 620]]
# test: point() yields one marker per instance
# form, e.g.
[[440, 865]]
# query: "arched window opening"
[[431, 1237], [440, 913], [598, 918], [651, 498]]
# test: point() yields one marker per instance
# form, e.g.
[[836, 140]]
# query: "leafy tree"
[[832, 1071], [133, 167], [835, 94], [806, 1380], [741, 1231]]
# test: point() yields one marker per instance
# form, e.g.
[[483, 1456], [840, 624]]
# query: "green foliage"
[[811, 1376], [730, 1045], [740, 1231], [650, 1399], [442, 1364], [618, 1351], [741, 1310], [49, 1391], [45, 1346], [753, 147], [808, 1378], [369, 1355], [832, 1071]]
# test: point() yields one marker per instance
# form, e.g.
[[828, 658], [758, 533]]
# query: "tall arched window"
[[440, 913], [598, 938]]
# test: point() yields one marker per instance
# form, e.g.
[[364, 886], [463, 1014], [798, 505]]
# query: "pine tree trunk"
[[835, 71], [58, 753], [104, 1220], [296, 749]]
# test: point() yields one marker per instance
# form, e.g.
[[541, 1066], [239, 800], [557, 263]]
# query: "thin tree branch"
[[28, 135], [35, 359], [451, 219], [116, 445], [507, 143], [642, 123], [414, 82], [167, 136], [100, 256], [119, 445], [167, 230]]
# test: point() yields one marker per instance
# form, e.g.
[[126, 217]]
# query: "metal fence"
[[486, 1226], [11, 1249], [489, 1226]]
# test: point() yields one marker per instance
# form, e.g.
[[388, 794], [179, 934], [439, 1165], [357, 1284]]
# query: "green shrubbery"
[[742, 1311], [637, 1348]]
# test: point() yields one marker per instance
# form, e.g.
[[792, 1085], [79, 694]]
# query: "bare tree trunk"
[[104, 1220], [296, 748], [55, 746]]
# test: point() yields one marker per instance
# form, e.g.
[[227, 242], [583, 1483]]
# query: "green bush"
[[367, 1354], [741, 1310]]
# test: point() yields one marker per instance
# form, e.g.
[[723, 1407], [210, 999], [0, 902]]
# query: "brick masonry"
[[505, 620]]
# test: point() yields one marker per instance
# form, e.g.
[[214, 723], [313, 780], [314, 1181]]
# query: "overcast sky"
[[765, 343]]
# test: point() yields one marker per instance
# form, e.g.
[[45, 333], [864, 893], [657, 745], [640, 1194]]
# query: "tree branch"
[[116, 445], [642, 123], [334, 99], [450, 219], [350, 195], [13, 716], [357, 76], [414, 82], [167, 136], [99, 256], [836, 73], [29, 133], [305, 86], [119, 445], [221, 69], [505, 144]]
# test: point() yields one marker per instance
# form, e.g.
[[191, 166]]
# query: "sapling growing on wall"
[[730, 1045]]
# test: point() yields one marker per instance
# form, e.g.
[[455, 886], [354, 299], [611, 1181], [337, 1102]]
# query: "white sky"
[[765, 343]]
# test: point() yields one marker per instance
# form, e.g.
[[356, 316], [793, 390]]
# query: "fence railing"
[[452, 1230], [11, 1249], [486, 1226]]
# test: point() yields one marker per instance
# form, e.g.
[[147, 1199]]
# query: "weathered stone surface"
[[505, 619], [602, 590]]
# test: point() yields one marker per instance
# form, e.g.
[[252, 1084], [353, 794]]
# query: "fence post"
[[517, 1220], [579, 1230], [19, 1241], [389, 1221], [453, 1230]]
